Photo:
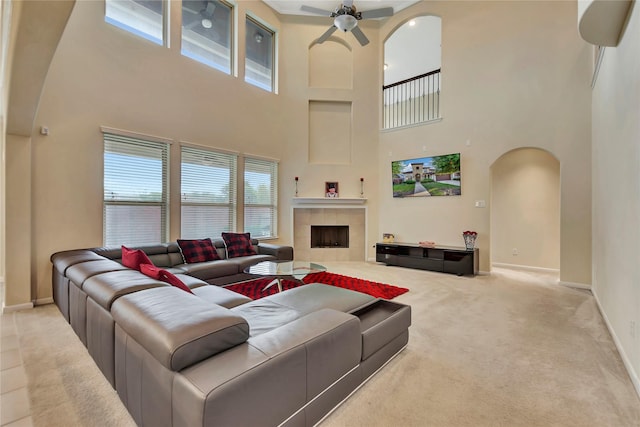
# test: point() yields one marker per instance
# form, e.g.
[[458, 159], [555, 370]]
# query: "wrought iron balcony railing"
[[411, 101]]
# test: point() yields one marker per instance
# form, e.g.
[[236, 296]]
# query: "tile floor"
[[15, 409]]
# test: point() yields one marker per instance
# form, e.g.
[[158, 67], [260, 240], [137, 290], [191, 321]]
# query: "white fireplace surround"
[[306, 212]]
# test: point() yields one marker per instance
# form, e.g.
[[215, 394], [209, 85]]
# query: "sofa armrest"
[[281, 252]]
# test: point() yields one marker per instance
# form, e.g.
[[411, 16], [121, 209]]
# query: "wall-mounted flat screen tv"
[[427, 176]]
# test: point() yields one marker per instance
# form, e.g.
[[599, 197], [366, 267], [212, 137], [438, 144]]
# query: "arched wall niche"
[[331, 64], [525, 209]]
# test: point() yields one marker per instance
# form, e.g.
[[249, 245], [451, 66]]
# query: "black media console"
[[446, 259]]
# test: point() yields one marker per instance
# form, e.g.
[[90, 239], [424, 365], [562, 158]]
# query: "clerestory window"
[[206, 33], [259, 67], [144, 18]]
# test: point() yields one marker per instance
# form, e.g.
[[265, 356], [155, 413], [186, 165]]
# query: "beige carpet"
[[506, 349]]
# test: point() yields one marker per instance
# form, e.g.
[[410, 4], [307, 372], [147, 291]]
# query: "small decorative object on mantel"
[[331, 189], [361, 187], [296, 179], [388, 238], [469, 239], [427, 244]]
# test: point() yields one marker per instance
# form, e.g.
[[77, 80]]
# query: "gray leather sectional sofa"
[[215, 357]]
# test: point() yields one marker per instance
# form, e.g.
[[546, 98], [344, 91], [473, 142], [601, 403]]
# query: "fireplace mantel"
[[328, 201]]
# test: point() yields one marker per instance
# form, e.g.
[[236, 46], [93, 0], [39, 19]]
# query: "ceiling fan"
[[346, 18]]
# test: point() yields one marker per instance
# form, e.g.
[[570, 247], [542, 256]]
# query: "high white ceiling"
[[292, 7]]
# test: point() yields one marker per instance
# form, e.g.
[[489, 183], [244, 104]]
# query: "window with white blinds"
[[208, 193], [135, 191], [261, 197]]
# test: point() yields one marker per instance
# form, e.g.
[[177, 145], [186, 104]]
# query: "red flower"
[[296, 178], [469, 233], [361, 179]]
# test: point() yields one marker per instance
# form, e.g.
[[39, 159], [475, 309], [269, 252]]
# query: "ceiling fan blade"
[[377, 13], [327, 34], [359, 35], [316, 11]]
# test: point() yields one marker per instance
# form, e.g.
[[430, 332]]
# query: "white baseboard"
[[525, 268], [575, 285], [44, 301], [625, 359], [16, 307]]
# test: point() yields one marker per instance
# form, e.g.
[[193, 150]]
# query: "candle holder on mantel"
[[361, 187], [296, 181]]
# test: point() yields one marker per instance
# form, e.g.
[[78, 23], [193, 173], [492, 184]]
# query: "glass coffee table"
[[284, 269]]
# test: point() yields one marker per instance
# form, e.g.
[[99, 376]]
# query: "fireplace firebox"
[[329, 236]]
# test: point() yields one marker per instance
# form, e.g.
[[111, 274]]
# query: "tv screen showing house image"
[[427, 176]]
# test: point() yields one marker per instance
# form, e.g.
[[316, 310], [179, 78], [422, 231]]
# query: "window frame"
[[128, 143], [274, 37], [273, 205], [232, 42], [232, 203], [164, 22]]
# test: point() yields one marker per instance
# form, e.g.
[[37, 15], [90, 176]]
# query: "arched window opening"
[[412, 59]]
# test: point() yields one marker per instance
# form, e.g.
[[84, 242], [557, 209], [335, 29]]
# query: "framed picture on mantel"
[[331, 189]]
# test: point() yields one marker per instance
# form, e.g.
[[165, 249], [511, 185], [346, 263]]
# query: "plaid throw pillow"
[[238, 244], [197, 250], [132, 258], [162, 274]]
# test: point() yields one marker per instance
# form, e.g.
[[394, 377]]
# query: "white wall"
[[514, 74], [616, 191]]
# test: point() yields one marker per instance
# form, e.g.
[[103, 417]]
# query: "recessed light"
[[412, 23]]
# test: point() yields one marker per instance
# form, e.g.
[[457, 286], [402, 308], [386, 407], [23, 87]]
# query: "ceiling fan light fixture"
[[345, 22], [206, 23]]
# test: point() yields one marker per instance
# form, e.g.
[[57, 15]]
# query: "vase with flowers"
[[469, 239], [361, 187], [296, 181]]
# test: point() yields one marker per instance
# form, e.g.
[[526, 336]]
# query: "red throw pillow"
[[164, 275], [171, 278], [150, 270], [238, 244], [132, 258], [198, 250]]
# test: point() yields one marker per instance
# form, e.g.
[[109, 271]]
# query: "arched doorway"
[[525, 210]]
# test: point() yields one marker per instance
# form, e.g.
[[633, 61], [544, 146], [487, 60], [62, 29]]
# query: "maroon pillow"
[[171, 278], [238, 244], [161, 274], [150, 270], [132, 258], [198, 250]]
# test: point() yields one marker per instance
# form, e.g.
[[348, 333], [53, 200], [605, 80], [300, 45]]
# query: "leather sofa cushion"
[[276, 310], [219, 295], [210, 269], [264, 315], [246, 261], [105, 288], [316, 296], [78, 273], [177, 328], [63, 260]]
